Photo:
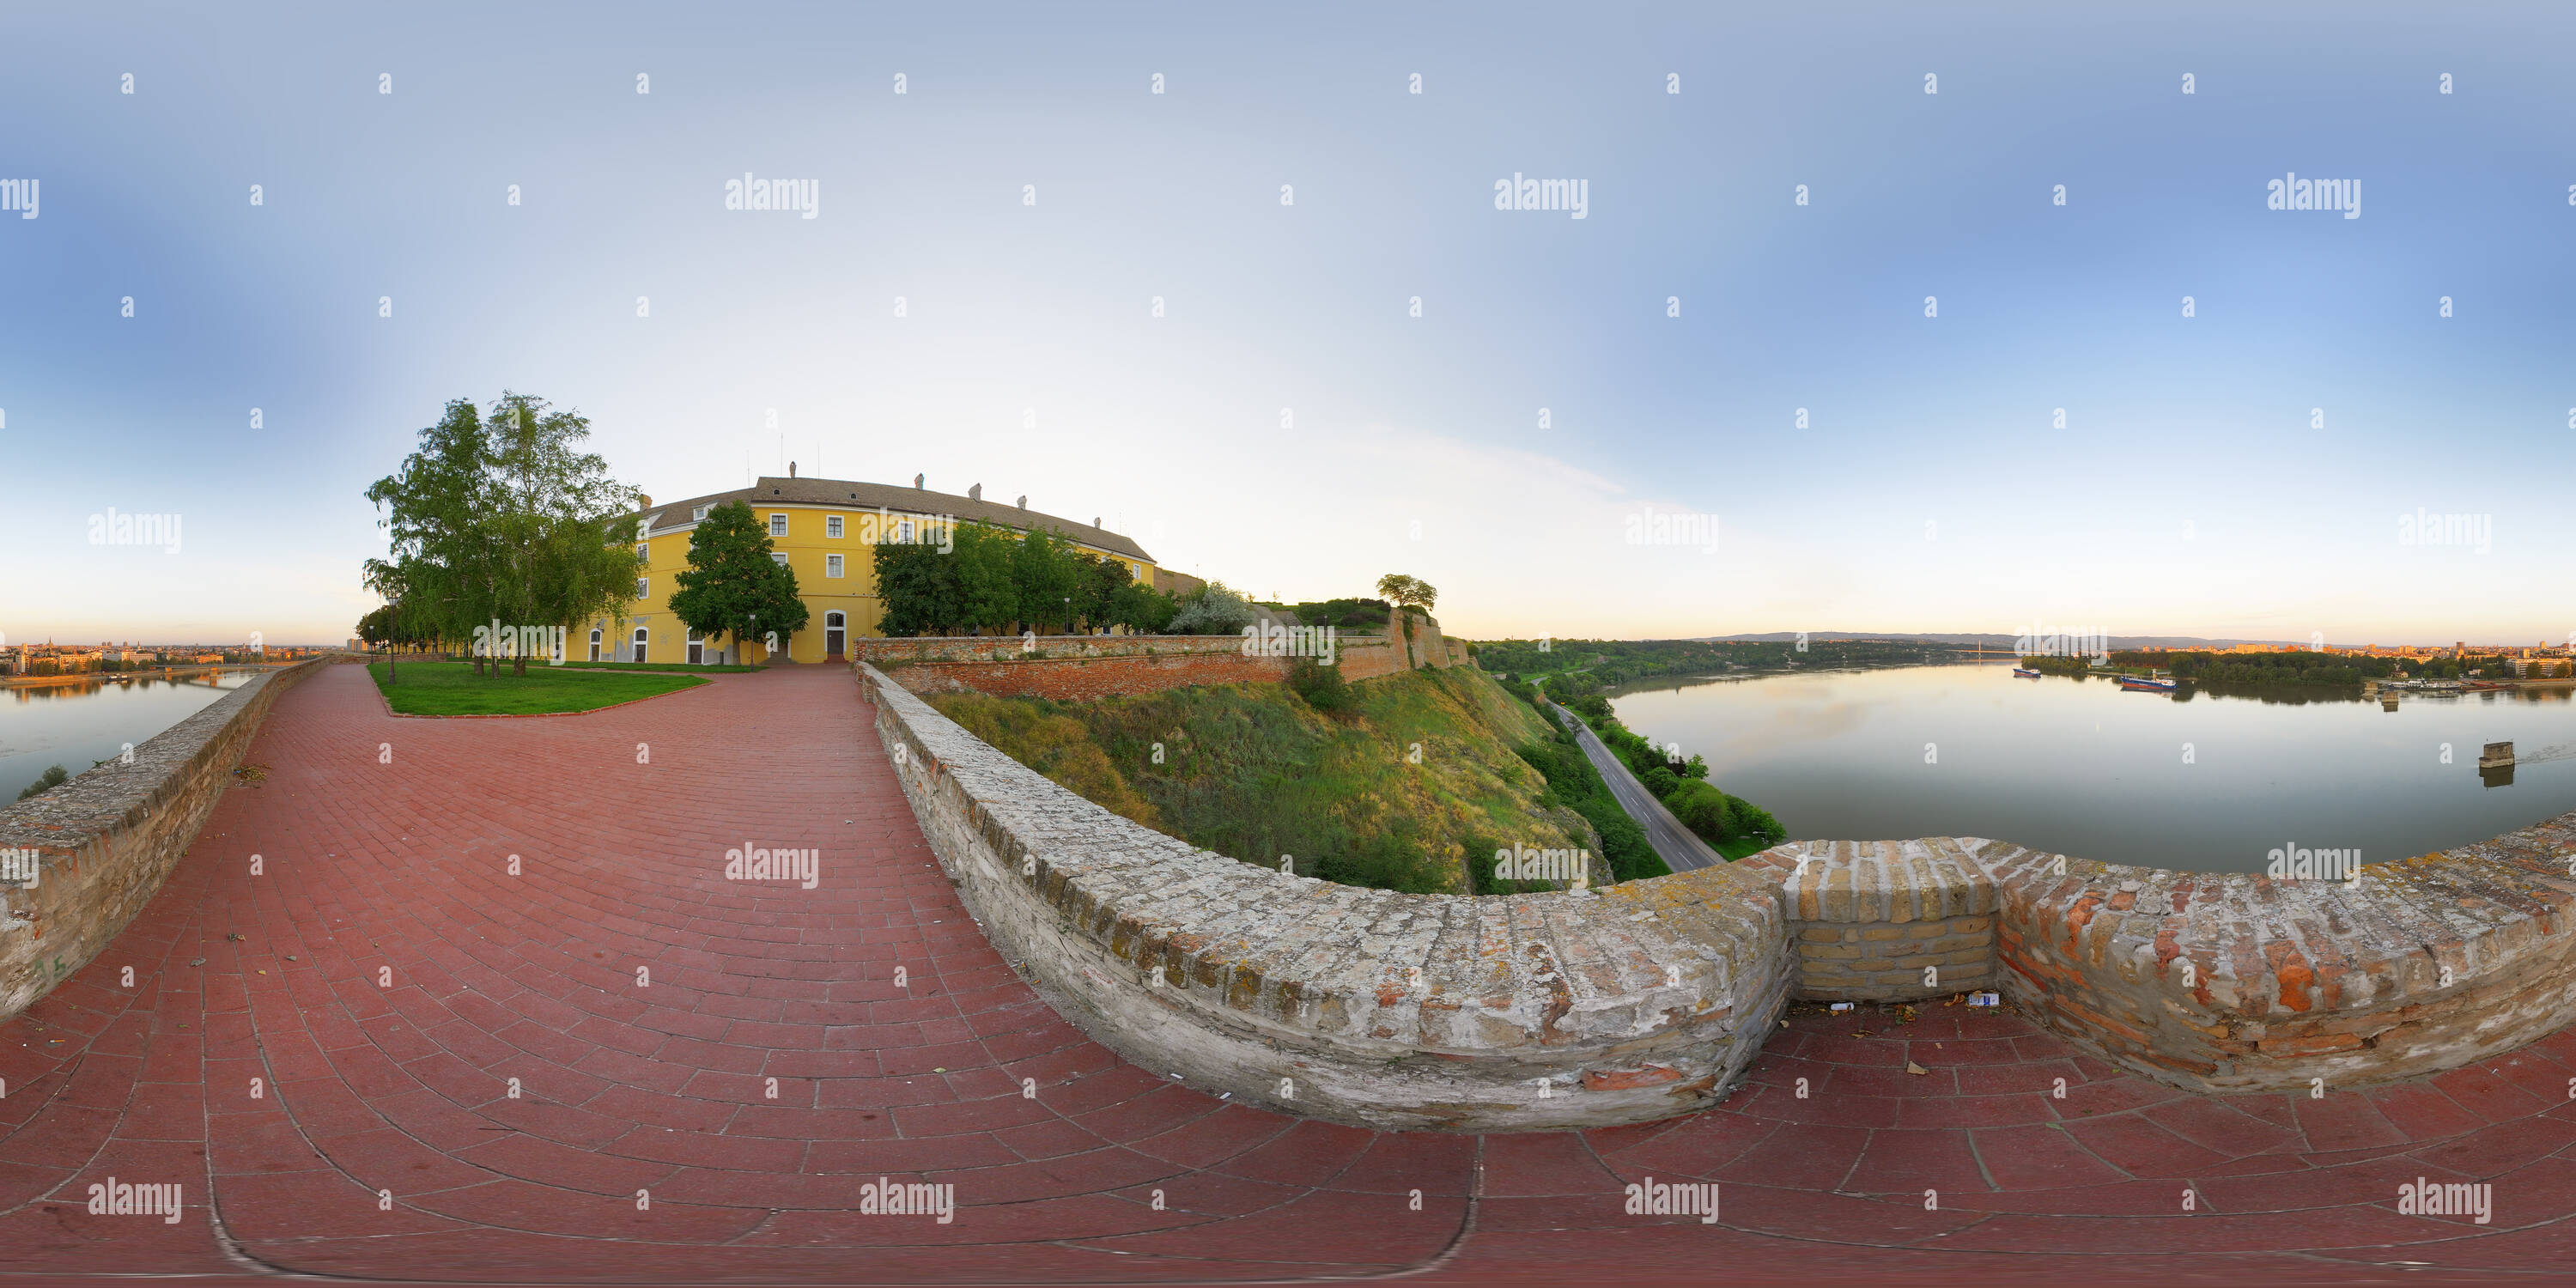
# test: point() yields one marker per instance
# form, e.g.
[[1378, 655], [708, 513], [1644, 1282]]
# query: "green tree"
[[988, 600], [732, 587], [438, 557], [919, 588], [1044, 578], [560, 563], [1407, 591]]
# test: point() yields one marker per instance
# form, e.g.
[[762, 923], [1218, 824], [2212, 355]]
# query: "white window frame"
[[832, 527], [778, 557], [699, 513], [644, 554], [903, 532], [643, 641], [777, 523], [643, 588], [831, 565]]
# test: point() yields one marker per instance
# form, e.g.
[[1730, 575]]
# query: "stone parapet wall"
[[1886, 921], [1569, 1009], [106, 839], [2209, 981]]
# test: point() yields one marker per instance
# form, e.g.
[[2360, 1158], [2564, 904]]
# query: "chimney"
[[791, 469], [644, 502], [916, 482], [975, 493], [1024, 503], [1095, 521]]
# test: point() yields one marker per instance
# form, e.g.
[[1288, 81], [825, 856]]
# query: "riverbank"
[[156, 673]]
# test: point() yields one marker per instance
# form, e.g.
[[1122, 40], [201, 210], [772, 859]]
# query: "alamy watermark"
[[18, 195], [117, 529], [1521, 863], [882, 1197], [1520, 193], [115, 1198], [1677, 1198], [802, 866], [2063, 641], [1270, 639], [2423, 528], [22, 865], [2292, 863], [802, 196], [2427, 1198], [2295, 193], [886, 528], [1650, 528], [509, 643]]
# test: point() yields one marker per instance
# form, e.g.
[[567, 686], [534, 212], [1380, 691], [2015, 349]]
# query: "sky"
[[1698, 345]]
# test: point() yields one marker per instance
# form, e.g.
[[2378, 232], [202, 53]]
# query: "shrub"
[[1320, 685], [1214, 611], [1661, 781], [49, 780]]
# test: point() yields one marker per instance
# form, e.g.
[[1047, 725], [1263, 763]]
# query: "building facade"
[[825, 531]]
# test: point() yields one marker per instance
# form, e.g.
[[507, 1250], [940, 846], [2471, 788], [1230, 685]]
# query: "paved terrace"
[[371, 867]]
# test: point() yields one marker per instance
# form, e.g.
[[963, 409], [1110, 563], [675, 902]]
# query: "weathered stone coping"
[[2231, 981], [1360, 1006], [106, 838]]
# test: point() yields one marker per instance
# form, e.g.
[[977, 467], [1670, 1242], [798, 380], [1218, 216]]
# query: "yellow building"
[[824, 530]]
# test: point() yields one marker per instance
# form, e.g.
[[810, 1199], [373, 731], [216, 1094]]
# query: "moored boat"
[[2025, 673], [2148, 684]]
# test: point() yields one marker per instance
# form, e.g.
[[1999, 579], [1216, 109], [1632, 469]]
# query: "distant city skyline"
[[1290, 324]]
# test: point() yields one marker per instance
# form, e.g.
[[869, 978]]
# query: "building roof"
[[850, 495]]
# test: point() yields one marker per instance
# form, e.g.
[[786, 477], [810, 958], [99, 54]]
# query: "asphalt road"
[[1680, 847]]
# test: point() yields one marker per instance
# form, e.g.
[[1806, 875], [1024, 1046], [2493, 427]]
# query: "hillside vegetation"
[[1398, 788]]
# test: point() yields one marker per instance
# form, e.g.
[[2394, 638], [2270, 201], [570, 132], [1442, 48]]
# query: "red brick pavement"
[[366, 1089]]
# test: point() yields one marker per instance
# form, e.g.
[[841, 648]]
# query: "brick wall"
[[107, 838], [1082, 667]]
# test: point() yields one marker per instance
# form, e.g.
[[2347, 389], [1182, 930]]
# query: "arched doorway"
[[595, 641], [642, 637], [835, 631]]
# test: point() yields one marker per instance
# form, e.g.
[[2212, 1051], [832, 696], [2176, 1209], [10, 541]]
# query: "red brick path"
[[664, 1088]]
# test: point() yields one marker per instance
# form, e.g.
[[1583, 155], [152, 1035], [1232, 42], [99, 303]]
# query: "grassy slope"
[[452, 689], [1249, 770]]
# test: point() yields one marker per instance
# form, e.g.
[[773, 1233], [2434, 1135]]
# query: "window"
[[643, 553], [699, 513], [643, 587], [641, 635], [778, 525], [778, 557], [903, 530], [832, 526], [831, 565]]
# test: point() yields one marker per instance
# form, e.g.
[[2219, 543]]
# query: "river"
[[92, 719], [2207, 781]]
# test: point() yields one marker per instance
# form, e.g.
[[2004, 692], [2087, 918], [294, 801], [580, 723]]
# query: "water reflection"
[[78, 721], [2206, 779]]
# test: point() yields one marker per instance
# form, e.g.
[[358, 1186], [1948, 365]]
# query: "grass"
[[1252, 771], [452, 689]]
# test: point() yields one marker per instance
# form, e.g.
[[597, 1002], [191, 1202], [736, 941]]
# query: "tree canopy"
[[732, 587]]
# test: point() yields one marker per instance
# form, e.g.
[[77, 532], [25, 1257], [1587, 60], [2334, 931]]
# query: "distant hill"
[[1988, 641]]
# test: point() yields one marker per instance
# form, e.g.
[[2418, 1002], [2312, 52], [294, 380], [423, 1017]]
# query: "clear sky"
[[1287, 424]]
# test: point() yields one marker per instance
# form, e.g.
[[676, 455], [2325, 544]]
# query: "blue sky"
[[2189, 493]]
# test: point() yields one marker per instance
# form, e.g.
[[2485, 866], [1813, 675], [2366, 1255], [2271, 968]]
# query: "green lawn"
[[452, 689]]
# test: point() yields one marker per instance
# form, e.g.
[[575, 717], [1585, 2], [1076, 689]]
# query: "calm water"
[[2081, 767], [73, 724]]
